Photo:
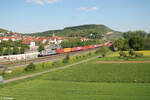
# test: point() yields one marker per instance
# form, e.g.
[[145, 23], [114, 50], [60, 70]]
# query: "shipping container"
[[84, 47], [95, 46], [78, 48], [90, 47], [100, 45], [59, 51], [67, 50], [73, 49], [87, 47]]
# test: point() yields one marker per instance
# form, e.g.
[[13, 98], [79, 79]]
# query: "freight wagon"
[[67, 50], [19, 57]]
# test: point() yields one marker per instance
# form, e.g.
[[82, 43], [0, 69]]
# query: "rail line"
[[45, 59]]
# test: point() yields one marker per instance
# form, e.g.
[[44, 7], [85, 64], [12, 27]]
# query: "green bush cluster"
[[56, 63], [30, 67], [66, 59], [139, 54], [122, 54], [103, 51], [131, 53]]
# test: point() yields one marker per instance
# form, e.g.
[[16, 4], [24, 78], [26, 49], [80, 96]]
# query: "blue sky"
[[42, 15]]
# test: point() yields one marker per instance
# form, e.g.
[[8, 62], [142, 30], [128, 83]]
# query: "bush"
[[131, 52], [103, 55], [77, 57], [66, 59], [139, 54], [89, 54], [55, 63], [102, 50], [30, 67], [84, 56], [43, 65], [122, 54]]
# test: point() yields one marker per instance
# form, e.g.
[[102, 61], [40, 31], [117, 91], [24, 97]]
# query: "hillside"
[[3, 30], [82, 30]]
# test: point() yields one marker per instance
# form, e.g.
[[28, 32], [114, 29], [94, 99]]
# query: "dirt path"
[[121, 62], [52, 70]]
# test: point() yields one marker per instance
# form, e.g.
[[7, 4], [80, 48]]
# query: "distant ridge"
[[3, 30], [81, 30]]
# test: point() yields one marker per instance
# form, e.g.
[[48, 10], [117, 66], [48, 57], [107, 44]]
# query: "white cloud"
[[88, 9], [41, 2]]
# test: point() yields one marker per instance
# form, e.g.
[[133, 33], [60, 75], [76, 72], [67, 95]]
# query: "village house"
[[10, 38], [55, 39]]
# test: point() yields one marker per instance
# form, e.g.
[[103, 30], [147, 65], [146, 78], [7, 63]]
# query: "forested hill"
[[82, 30], [3, 30]]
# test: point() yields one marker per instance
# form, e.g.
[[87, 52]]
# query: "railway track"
[[44, 59]]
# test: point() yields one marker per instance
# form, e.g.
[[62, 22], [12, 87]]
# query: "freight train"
[[74, 49]]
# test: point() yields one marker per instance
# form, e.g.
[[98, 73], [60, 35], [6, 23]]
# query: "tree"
[[41, 48], [30, 67], [15, 50], [1, 51], [130, 34], [147, 43], [22, 49], [126, 45], [136, 43], [119, 43], [8, 51]]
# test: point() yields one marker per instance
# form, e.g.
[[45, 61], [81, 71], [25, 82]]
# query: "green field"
[[91, 72], [88, 81], [40, 89]]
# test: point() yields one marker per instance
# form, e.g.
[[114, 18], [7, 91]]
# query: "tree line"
[[136, 40], [76, 42], [12, 47]]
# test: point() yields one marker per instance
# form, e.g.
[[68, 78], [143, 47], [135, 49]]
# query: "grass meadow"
[[88, 81]]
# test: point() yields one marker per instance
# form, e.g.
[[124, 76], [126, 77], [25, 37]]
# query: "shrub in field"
[[89, 54], [131, 52], [122, 54], [30, 67], [103, 55], [43, 65], [55, 63], [77, 57], [66, 59], [139, 54], [103, 51], [84, 56]]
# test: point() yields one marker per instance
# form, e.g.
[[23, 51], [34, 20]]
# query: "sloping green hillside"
[[82, 30], [3, 30]]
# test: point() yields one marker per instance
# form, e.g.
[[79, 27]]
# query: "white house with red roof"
[[55, 39], [10, 38]]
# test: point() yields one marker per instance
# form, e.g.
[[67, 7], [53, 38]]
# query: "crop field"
[[88, 81], [144, 58], [146, 53]]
